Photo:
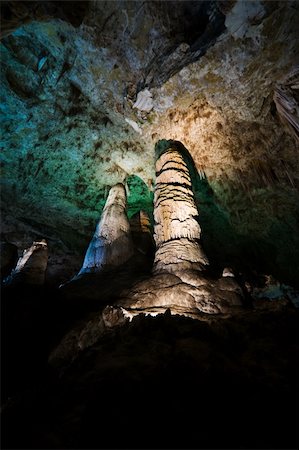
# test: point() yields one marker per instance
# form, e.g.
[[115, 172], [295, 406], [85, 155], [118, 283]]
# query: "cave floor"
[[156, 382]]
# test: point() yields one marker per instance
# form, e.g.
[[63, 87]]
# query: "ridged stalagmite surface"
[[111, 244], [177, 231], [179, 282]]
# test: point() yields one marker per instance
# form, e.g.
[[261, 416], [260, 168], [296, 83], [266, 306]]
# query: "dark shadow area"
[[17, 13], [163, 382], [33, 319], [193, 25]]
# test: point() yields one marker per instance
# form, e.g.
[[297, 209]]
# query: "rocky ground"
[[155, 382]]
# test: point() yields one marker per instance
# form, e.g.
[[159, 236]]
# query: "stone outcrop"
[[112, 243], [31, 266]]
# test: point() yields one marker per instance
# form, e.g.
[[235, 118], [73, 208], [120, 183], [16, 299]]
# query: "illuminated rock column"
[[177, 232], [111, 244], [31, 266]]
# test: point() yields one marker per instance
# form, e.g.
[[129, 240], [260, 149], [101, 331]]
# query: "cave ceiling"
[[88, 88]]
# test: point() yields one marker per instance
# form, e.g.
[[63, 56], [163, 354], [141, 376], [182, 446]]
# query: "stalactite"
[[111, 244], [177, 232]]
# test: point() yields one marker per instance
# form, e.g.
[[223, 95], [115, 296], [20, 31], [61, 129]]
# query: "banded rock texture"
[[31, 266], [177, 232], [179, 282], [174, 286], [111, 244]]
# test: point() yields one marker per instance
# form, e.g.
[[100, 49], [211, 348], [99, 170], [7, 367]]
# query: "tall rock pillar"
[[177, 232], [111, 244]]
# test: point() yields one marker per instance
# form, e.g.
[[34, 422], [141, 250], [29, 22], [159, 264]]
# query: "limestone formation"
[[179, 282], [177, 232], [31, 266], [141, 232], [111, 244], [123, 80]]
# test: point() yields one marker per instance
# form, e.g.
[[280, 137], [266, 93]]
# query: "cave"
[[149, 224]]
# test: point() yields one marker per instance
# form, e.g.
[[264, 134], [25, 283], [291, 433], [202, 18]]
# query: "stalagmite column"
[[177, 233], [111, 244], [31, 266]]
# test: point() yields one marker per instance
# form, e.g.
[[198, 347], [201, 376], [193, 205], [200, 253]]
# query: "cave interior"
[[149, 224]]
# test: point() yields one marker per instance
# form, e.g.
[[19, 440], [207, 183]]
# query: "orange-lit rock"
[[177, 232]]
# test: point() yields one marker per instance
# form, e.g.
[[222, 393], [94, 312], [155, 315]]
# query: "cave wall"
[[86, 96]]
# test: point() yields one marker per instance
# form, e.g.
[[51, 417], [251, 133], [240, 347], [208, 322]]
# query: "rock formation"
[[31, 266], [111, 244], [286, 99], [141, 233], [177, 232], [179, 281], [87, 91]]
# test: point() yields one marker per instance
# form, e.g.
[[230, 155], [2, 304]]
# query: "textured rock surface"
[[142, 233], [203, 73], [179, 282], [112, 243], [31, 266], [177, 232], [87, 90], [286, 99]]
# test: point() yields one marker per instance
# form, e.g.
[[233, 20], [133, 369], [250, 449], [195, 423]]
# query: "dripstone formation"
[[180, 282], [177, 232], [31, 266], [167, 263], [111, 244]]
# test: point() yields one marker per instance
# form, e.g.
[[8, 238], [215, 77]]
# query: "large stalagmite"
[[177, 232], [178, 284], [111, 244], [179, 280]]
